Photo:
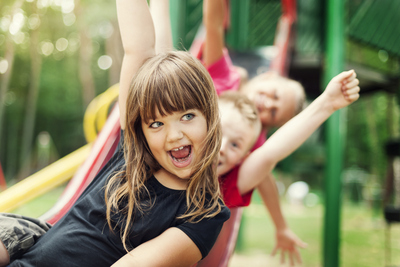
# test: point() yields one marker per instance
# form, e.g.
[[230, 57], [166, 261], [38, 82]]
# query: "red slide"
[[103, 148]]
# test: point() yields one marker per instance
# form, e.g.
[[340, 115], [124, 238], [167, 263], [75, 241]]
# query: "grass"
[[362, 234], [40, 205]]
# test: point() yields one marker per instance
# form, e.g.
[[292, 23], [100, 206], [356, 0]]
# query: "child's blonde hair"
[[168, 82], [246, 108]]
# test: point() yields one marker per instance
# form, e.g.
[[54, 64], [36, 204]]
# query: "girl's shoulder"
[[204, 233]]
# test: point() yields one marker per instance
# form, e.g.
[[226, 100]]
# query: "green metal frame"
[[253, 23], [238, 34], [335, 132], [186, 17]]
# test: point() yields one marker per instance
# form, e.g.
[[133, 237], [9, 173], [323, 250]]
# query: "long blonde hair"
[[168, 82]]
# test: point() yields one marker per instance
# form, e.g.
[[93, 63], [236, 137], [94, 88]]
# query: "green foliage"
[[371, 122], [362, 236], [41, 204], [55, 32], [369, 128], [60, 110]]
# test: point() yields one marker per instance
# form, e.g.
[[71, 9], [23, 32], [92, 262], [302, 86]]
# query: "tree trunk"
[[5, 78], [85, 57], [115, 51], [5, 81], [30, 112]]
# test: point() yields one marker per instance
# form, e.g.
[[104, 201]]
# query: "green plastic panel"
[[253, 23], [377, 24], [186, 17], [309, 27]]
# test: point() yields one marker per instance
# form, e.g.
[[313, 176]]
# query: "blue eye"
[[156, 124], [188, 117], [235, 145]]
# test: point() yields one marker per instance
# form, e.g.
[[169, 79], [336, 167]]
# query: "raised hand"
[[343, 89], [288, 243]]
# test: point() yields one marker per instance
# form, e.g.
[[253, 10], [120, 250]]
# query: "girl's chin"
[[184, 176]]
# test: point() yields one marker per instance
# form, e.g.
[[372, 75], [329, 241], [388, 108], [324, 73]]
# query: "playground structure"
[[241, 36]]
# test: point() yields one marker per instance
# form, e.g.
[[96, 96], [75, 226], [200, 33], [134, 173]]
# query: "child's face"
[[237, 137], [275, 102], [175, 141]]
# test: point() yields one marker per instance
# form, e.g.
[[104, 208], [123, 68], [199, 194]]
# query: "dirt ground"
[[255, 260]]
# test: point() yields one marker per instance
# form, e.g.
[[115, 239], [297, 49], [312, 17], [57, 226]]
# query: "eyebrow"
[[238, 137]]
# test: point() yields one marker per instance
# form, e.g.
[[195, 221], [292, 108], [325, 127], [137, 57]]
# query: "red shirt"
[[228, 182], [226, 78]]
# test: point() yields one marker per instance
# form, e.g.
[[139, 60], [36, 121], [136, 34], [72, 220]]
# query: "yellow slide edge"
[[44, 180]]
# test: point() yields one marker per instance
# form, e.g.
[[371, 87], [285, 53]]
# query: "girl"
[[228, 77], [159, 192], [277, 100]]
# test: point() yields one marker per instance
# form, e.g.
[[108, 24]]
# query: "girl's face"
[[175, 141], [238, 135], [275, 102]]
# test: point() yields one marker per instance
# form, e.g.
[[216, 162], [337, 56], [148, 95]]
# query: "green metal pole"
[[238, 33], [177, 14], [335, 130]]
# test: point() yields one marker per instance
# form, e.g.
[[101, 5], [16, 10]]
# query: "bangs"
[[172, 88], [166, 102]]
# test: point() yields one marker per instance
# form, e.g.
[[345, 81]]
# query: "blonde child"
[[158, 197], [240, 129], [277, 100]]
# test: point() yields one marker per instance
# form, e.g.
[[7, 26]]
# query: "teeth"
[[179, 148]]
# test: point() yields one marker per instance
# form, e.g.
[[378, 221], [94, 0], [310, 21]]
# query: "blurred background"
[[57, 55]]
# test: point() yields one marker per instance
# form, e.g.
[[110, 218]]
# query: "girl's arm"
[[256, 169], [138, 40], [171, 248], [214, 12], [286, 241], [340, 92], [162, 24]]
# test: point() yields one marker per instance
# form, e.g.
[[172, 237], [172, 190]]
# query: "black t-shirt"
[[83, 238]]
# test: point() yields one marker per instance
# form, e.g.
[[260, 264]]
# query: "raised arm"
[[256, 169], [138, 40], [340, 92], [162, 24], [214, 12], [171, 248]]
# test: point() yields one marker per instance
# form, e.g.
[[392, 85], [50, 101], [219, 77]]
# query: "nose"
[[268, 102], [174, 133], [224, 143]]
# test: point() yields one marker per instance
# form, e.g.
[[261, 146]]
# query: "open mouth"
[[181, 155]]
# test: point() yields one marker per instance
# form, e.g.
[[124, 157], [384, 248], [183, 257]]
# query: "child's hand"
[[288, 243], [343, 89]]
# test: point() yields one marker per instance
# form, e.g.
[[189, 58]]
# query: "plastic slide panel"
[[103, 149], [43, 180]]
